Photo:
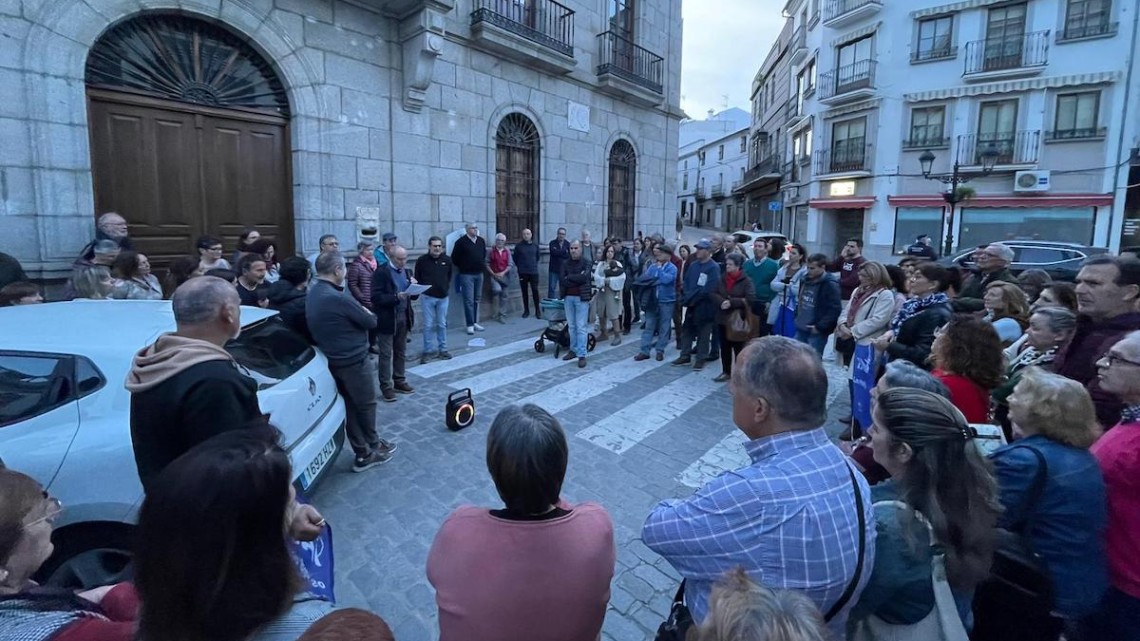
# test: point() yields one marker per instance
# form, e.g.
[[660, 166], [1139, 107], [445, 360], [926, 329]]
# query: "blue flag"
[[863, 381]]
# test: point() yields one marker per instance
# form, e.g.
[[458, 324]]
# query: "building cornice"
[[953, 7], [1048, 82], [852, 108]]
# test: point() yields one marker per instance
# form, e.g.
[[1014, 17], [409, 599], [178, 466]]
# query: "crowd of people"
[[913, 527]]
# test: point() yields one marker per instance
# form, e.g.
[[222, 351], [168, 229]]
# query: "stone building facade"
[[409, 115]]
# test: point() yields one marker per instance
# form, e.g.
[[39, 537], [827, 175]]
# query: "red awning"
[[842, 203], [1052, 200]]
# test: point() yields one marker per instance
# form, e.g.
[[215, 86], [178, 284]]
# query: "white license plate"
[[313, 470]]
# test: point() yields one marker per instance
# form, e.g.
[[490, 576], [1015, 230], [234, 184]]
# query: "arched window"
[[517, 147], [187, 60], [623, 190]]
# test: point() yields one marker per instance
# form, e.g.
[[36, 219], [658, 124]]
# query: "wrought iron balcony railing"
[[844, 156], [1003, 54], [836, 8], [1013, 148], [622, 58], [848, 78], [926, 142], [716, 191], [1087, 29], [1077, 133], [542, 21]]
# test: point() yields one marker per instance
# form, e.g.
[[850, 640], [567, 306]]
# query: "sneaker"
[[581, 362], [660, 356], [616, 341], [642, 357], [369, 461], [403, 388], [425, 357], [389, 395], [502, 318], [682, 360], [444, 355], [470, 330], [569, 356], [722, 377], [479, 328], [385, 447], [699, 365]]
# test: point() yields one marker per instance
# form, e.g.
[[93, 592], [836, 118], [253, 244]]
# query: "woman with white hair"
[[742, 610]]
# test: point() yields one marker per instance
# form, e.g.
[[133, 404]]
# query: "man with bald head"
[[186, 387], [391, 303], [110, 226]]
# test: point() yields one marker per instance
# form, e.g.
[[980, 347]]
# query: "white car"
[[65, 415], [745, 238]]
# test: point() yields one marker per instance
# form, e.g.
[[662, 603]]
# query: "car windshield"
[[270, 352]]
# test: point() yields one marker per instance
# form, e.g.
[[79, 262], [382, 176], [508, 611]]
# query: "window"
[[622, 189], [1077, 115], [702, 184], [1074, 225], [701, 158], [720, 153], [621, 17], [811, 75], [911, 222], [853, 63], [935, 38], [1086, 18], [743, 144], [997, 127], [1005, 32], [270, 352], [855, 51], [686, 165], [927, 127], [685, 181], [848, 145], [720, 181], [517, 147], [32, 384]]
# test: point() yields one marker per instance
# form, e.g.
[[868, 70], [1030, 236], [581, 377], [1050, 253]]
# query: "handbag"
[[742, 326], [943, 622], [676, 626], [1015, 602], [987, 437]]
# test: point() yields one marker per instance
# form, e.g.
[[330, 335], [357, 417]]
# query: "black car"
[[1060, 260]]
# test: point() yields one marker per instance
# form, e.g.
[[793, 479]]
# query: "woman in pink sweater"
[[538, 568]]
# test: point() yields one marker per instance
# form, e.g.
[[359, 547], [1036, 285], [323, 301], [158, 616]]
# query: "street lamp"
[[952, 181]]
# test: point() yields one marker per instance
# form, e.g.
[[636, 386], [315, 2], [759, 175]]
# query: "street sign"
[[775, 205]]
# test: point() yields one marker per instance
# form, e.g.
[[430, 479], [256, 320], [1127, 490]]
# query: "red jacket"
[[120, 606], [359, 281], [1077, 360]]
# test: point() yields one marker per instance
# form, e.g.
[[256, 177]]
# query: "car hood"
[[168, 356]]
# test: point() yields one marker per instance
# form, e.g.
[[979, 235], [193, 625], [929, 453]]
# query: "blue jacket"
[[819, 304], [697, 296], [559, 253], [665, 278], [1068, 521]]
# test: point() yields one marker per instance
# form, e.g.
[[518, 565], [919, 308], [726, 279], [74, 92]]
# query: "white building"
[[304, 117], [1039, 84], [710, 167]]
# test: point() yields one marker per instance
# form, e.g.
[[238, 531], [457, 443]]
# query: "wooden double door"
[[177, 171]]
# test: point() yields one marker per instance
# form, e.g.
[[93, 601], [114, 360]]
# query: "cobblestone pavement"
[[639, 432]]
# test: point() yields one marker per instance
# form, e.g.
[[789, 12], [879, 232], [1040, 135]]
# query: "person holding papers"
[[392, 289]]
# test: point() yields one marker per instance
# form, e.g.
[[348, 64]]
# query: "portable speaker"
[[460, 411]]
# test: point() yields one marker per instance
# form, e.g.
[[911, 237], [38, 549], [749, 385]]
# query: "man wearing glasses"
[[109, 226], [1108, 292], [993, 265], [1118, 453], [434, 269]]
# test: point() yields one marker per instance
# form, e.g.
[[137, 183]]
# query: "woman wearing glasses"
[[911, 333], [29, 611]]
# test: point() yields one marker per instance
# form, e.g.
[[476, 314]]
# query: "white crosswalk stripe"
[[728, 454], [471, 359], [545, 362], [634, 423], [596, 383]]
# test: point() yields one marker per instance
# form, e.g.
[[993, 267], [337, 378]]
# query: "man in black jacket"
[[559, 253], [993, 265], [527, 257], [434, 270], [110, 226], [340, 326], [288, 294], [469, 255], [576, 277], [391, 302]]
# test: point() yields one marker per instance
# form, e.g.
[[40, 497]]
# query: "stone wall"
[[356, 142]]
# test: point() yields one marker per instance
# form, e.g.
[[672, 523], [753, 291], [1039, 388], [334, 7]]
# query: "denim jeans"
[[657, 321], [472, 287], [817, 341], [577, 317], [552, 282], [435, 322]]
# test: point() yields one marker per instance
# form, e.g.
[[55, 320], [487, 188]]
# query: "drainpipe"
[[1123, 123]]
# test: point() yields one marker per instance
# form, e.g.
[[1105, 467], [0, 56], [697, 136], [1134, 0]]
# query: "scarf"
[[731, 278], [857, 298], [915, 306], [1130, 414]]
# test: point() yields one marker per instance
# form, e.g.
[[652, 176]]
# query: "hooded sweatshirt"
[[183, 391]]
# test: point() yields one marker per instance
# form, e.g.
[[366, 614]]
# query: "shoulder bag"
[[942, 624], [1015, 602], [676, 625]]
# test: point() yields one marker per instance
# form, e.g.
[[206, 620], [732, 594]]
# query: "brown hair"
[[742, 610], [1058, 408], [970, 347], [350, 624], [1014, 303], [19, 495], [878, 273]]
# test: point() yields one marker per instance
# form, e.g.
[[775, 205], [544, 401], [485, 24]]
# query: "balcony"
[[993, 58], [927, 142], [762, 173], [1013, 148], [798, 46], [844, 157], [538, 33], [1087, 30], [838, 13], [716, 191], [848, 83], [629, 71], [1086, 133]]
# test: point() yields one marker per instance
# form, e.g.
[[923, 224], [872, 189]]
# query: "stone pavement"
[[639, 432]]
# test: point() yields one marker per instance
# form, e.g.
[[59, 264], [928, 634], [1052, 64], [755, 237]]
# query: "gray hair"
[[735, 259], [527, 455], [200, 300], [106, 247], [790, 376], [903, 373], [469, 225], [500, 236], [328, 262], [364, 244], [1003, 251], [743, 610], [1061, 319]]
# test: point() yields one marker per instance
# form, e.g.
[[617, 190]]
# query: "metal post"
[[952, 200]]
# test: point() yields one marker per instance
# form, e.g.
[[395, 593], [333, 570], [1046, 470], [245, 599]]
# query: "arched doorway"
[[517, 147], [623, 190], [189, 130]]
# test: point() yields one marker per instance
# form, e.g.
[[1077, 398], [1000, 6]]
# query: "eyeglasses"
[[435, 245], [1111, 359], [215, 249], [54, 508]]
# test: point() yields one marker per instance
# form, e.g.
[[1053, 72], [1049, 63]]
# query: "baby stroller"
[[557, 329]]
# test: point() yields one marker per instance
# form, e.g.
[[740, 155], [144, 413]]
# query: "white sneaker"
[[478, 328], [470, 330]]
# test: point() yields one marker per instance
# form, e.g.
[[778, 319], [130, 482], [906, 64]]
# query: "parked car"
[[1060, 260], [745, 238], [65, 415]]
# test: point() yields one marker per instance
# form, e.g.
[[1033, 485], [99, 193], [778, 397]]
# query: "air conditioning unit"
[[1037, 180]]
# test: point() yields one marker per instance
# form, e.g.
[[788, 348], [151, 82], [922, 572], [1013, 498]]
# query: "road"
[[639, 432]]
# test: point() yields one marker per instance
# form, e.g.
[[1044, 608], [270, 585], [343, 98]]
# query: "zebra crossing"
[[615, 404]]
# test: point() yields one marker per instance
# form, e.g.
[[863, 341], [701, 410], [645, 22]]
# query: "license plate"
[[313, 469]]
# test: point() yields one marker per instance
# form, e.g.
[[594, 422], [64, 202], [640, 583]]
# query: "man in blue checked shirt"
[[789, 519]]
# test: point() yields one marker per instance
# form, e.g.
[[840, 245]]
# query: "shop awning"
[[842, 203], [1053, 200]]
